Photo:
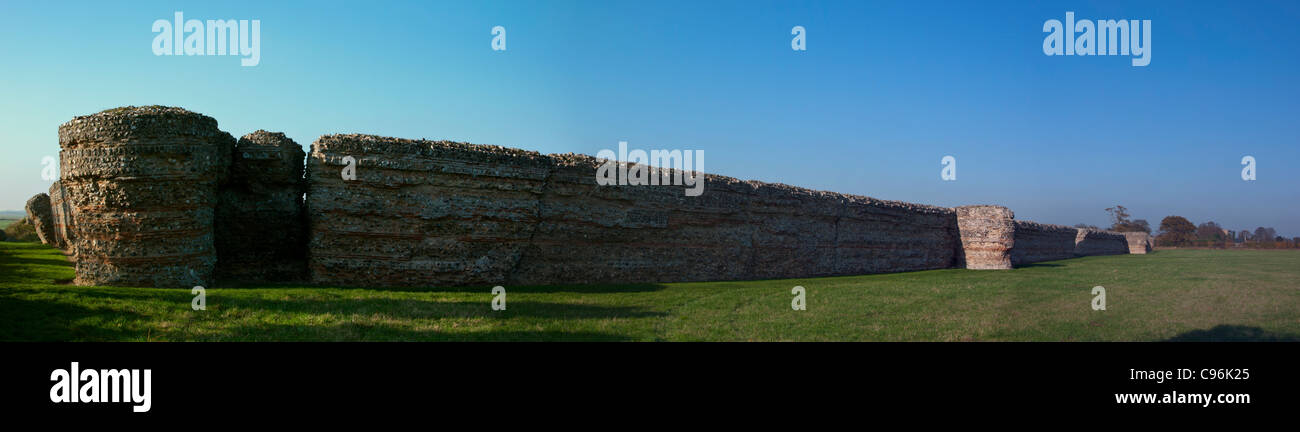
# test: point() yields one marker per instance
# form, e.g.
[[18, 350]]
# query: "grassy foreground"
[[1169, 295]]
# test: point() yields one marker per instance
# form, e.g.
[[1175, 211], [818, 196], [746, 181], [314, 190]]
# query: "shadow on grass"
[[540, 289], [48, 320], [384, 332], [53, 260], [45, 320], [403, 308], [1022, 266], [1234, 333]]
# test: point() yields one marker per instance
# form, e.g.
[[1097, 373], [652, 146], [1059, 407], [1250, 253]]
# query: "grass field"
[[1169, 295], [6, 222]]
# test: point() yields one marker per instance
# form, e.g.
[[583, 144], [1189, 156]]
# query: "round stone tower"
[[987, 236], [141, 187]]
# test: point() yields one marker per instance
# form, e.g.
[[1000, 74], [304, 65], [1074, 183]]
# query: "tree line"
[[1178, 231]]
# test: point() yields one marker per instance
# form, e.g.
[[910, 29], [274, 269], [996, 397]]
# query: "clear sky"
[[882, 93]]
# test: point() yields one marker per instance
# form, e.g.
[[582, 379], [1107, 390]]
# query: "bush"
[[21, 231]]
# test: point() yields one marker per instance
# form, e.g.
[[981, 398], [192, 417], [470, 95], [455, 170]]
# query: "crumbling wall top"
[[127, 123]]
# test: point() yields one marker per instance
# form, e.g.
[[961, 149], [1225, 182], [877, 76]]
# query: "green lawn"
[[1177, 294], [6, 222]]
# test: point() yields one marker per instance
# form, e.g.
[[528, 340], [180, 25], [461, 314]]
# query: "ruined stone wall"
[[60, 217], [140, 185], [1138, 242], [987, 237], [260, 229], [1037, 242], [443, 213], [38, 211], [991, 238], [158, 196], [1094, 242]]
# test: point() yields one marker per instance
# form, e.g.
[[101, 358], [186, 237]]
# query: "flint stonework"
[[38, 211], [445, 213], [260, 228], [60, 218], [141, 187], [1138, 242], [1094, 242], [1037, 242], [987, 236], [158, 196]]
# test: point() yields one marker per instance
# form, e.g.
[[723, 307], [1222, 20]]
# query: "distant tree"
[[1119, 221], [1176, 231], [1141, 225], [1118, 216], [1209, 231], [1243, 236], [1264, 234]]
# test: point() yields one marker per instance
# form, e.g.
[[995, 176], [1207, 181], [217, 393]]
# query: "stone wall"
[[158, 196], [991, 238], [260, 229], [38, 211], [60, 217], [1037, 242], [140, 185], [1138, 242], [1093, 242], [987, 237], [444, 213]]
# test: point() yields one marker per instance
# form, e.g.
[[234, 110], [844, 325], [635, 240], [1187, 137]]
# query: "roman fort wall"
[[159, 196], [260, 231], [444, 213], [987, 237], [1093, 242], [991, 239], [141, 187], [1037, 242], [1138, 242], [39, 213], [60, 218]]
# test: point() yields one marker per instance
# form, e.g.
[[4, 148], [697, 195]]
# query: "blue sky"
[[883, 92]]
